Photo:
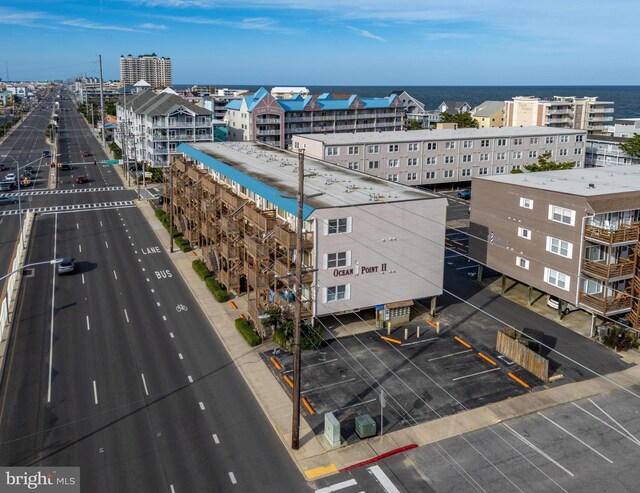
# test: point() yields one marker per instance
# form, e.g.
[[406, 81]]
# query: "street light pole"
[[53, 261], [170, 209]]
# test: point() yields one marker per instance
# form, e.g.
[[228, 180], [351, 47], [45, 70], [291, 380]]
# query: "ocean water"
[[626, 98]]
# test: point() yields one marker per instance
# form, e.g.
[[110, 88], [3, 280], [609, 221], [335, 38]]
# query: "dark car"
[[85, 153], [64, 166], [3, 167], [67, 266], [464, 194], [8, 200], [81, 179]]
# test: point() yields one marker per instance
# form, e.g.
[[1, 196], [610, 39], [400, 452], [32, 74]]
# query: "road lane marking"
[[77, 226], [153, 290], [148, 280], [180, 356], [575, 437], [475, 374], [88, 328], [115, 275], [171, 334], [190, 378], [158, 303], [630, 437], [95, 392], [337, 486], [215, 439], [164, 318], [172, 489], [53, 304], [144, 382], [126, 315], [383, 479], [106, 244], [82, 278], [201, 406], [543, 454], [232, 478]]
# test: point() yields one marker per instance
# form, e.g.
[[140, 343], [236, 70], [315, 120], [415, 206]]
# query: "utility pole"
[[104, 142], [170, 208], [295, 427], [125, 163]]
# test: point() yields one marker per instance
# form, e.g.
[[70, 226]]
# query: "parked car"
[[567, 308], [11, 178], [3, 167], [465, 194], [6, 186], [8, 200], [80, 179], [67, 266], [46, 153], [64, 166], [85, 153]]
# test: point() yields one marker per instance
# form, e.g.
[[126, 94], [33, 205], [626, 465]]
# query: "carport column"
[[529, 295], [504, 284], [593, 325], [480, 272], [432, 309]]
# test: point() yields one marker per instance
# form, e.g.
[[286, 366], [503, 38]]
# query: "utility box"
[[365, 426], [332, 430]]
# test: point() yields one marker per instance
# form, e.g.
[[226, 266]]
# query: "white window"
[[467, 158], [451, 144], [522, 262], [559, 247], [484, 143], [338, 226], [564, 139], [373, 149], [467, 144], [412, 176], [393, 163], [526, 203], [562, 215], [449, 159], [483, 171], [548, 140], [373, 165], [431, 160], [515, 166], [484, 157], [557, 279], [517, 155], [499, 170], [392, 177], [412, 161], [563, 152], [517, 141], [430, 175], [394, 147], [354, 150], [353, 165], [533, 154], [339, 259], [502, 142], [501, 156], [577, 150], [412, 147], [432, 146], [333, 151], [579, 138], [533, 140], [524, 233], [337, 293], [591, 286], [448, 173], [466, 172]]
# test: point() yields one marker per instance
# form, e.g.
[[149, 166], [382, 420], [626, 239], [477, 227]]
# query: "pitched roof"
[[488, 108], [163, 103]]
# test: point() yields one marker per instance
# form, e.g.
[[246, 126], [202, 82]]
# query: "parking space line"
[[475, 374], [321, 363], [486, 358], [521, 382], [325, 386], [452, 354], [356, 404], [630, 436], [618, 424], [465, 344], [467, 267], [573, 436], [418, 342]]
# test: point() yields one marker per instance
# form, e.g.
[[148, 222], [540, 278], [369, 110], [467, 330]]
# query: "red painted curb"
[[380, 457]]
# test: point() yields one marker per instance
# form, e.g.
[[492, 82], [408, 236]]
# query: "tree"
[[414, 125], [632, 146], [545, 164], [464, 120], [110, 108]]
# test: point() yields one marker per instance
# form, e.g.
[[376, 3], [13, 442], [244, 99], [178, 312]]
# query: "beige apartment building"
[[366, 242], [573, 234], [432, 157], [585, 113], [151, 68], [489, 114]]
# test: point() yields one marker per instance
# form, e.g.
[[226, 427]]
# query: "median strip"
[[462, 342], [521, 382]]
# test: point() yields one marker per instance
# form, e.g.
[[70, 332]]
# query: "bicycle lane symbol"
[[181, 308]]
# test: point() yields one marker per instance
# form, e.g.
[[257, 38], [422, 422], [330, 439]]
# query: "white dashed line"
[[180, 356], [148, 280], [190, 378], [88, 327], [153, 290], [95, 392], [172, 489], [82, 278], [164, 318], [126, 315], [106, 244], [77, 226], [140, 261], [80, 248], [144, 382], [201, 406], [158, 303], [100, 223], [232, 478], [143, 269], [115, 275], [171, 334], [215, 439]]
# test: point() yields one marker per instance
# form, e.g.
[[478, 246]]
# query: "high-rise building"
[[151, 68]]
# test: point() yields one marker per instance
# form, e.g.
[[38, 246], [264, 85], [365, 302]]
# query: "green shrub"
[[310, 338], [619, 339], [247, 332], [200, 267], [219, 293], [160, 214], [182, 243]]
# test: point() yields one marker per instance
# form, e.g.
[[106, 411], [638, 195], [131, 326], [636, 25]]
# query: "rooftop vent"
[[592, 185]]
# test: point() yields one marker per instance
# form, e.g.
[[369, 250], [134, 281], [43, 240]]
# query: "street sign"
[[113, 161]]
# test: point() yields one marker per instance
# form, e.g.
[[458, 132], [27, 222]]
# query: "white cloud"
[[85, 24], [149, 25], [366, 34], [21, 17], [249, 23]]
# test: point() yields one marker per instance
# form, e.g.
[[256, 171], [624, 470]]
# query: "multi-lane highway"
[[115, 368]]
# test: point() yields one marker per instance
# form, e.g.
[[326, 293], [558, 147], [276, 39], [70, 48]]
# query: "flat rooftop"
[[274, 174], [444, 134], [608, 180]]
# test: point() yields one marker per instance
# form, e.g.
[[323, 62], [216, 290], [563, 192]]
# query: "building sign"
[[359, 270]]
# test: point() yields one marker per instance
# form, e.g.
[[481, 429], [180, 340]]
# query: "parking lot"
[[422, 378]]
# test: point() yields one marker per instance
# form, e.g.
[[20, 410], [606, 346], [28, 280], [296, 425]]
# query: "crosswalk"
[[382, 482], [26, 193], [72, 208]]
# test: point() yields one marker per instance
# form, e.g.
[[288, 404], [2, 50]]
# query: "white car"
[[567, 308], [10, 177]]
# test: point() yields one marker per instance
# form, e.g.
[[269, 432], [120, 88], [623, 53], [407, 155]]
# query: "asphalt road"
[[115, 368]]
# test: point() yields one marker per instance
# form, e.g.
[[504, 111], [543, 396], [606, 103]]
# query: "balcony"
[[210, 186], [267, 132], [231, 280], [287, 238], [195, 174], [604, 270], [232, 200], [257, 279], [609, 305], [263, 121], [228, 251], [264, 220], [228, 225], [255, 247], [626, 234]]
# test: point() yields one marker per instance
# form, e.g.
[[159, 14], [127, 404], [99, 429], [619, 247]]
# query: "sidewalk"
[[314, 458]]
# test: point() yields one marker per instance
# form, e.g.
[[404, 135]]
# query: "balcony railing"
[[228, 225], [257, 279], [287, 238], [233, 201], [255, 247], [606, 305], [264, 220], [625, 234], [230, 279], [229, 251], [262, 121], [604, 270]]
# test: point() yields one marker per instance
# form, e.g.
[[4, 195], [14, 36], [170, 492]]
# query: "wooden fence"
[[531, 361]]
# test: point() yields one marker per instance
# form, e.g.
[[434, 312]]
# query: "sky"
[[329, 42]]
